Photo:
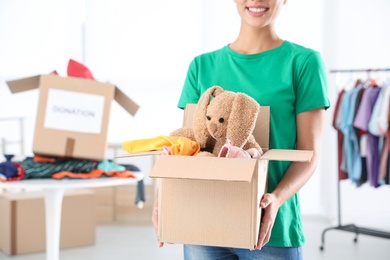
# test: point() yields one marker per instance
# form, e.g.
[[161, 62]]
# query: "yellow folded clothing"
[[177, 145]]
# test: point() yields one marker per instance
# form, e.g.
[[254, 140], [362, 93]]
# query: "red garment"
[[340, 138], [20, 173], [76, 69]]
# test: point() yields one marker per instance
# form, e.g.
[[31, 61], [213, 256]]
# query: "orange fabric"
[[38, 158], [41, 158], [184, 146], [96, 173]]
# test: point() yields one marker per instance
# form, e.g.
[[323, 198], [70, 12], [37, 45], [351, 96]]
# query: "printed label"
[[74, 111]]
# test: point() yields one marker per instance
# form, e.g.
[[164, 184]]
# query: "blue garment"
[[356, 170], [351, 144], [7, 168], [195, 252], [140, 196], [108, 165]]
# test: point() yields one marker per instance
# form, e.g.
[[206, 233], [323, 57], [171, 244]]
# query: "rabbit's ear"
[[199, 124], [242, 119]]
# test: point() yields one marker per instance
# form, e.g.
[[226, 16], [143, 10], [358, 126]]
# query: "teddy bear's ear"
[[199, 124], [242, 119]]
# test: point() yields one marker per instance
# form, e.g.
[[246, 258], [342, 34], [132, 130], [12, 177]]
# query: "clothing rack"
[[358, 70], [352, 227]]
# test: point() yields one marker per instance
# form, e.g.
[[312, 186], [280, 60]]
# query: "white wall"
[[145, 49], [37, 37]]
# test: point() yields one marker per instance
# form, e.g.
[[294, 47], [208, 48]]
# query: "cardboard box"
[[105, 205], [127, 212], [73, 114], [117, 205], [215, 201], [22, 221]]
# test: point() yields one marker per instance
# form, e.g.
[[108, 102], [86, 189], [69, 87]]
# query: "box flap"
[[204, 168], [123, 100], [23, 84], [288, 155], [189, 115], [261, 131], [29, 83]]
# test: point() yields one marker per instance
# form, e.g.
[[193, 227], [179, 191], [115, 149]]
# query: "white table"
[[53, 191]]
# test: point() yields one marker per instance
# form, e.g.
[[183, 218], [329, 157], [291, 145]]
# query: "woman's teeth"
[[257, 10]]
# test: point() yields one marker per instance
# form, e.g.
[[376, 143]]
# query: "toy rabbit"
[[220, 116]]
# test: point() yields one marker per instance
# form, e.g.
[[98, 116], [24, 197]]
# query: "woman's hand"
[[271, 205], [155, 218]]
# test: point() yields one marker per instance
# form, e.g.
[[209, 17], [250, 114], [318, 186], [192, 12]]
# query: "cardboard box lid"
[[29, 83], [204, 168], [287, 155]]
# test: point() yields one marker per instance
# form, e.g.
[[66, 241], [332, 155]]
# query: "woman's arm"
[[309, 133]]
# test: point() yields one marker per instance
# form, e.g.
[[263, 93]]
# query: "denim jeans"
[[195, 252]]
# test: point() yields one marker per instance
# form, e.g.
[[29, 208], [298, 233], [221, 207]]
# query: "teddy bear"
[[223, 124]]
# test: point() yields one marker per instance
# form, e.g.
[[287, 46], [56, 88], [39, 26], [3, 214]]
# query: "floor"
[[124, 241]]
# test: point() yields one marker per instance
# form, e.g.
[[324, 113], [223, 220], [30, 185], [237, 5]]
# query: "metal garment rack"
[[352, 227], [359, 70]]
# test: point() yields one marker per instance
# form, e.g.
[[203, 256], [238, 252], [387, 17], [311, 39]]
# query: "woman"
[[289, 78]]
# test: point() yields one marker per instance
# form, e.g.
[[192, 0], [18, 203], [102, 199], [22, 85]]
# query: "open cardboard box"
[[73, 114], [215, 201]]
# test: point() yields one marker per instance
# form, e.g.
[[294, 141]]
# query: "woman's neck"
[[251, 41]]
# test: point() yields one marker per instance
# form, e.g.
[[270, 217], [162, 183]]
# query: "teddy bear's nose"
[[213, 127]]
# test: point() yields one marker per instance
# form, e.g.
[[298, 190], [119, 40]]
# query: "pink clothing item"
[[383, 160], [337, 117], [166, 150], [230, 151]]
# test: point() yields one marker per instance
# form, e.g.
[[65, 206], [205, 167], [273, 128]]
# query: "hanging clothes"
[[361, 122], [361, 119], [352, 153], [342, 174]]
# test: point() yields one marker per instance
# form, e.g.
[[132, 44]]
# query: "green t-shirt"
[[290, 79]]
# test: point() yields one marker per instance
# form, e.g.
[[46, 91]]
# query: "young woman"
[[289, 78]]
